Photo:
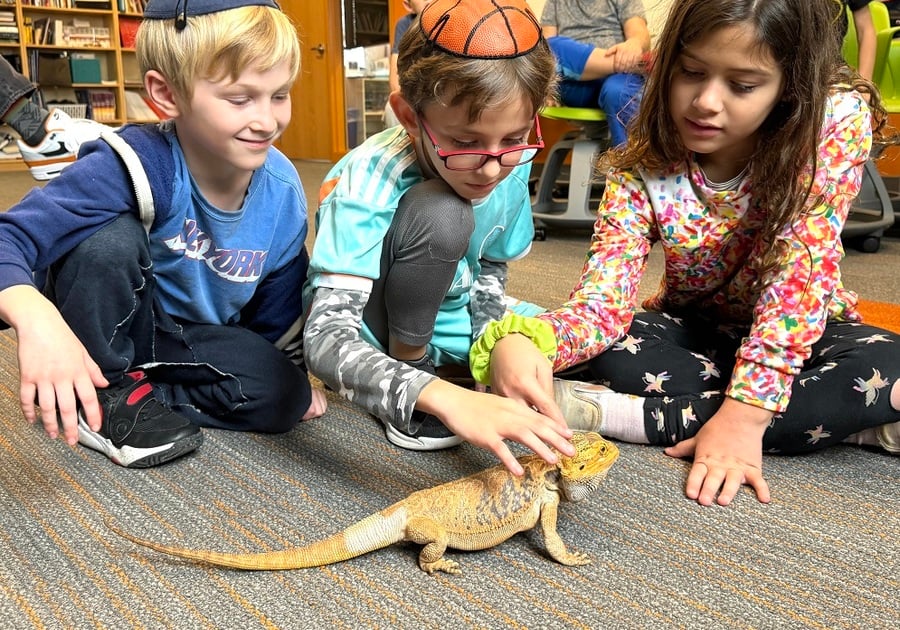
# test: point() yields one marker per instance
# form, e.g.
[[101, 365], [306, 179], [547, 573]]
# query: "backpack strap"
[[139, 180]]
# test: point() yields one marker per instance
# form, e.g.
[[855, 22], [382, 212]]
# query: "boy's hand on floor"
[[55, 371]]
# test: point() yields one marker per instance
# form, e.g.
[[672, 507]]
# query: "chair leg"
[[577, 210], [584, 160], [872, 212], [543, 199]]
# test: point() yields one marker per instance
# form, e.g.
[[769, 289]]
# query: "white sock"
[[623, 417]]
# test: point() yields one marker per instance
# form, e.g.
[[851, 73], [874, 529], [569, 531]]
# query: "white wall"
[[656, 13]]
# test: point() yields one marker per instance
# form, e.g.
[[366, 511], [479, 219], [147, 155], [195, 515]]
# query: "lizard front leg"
[[425, 531], [552, 541]]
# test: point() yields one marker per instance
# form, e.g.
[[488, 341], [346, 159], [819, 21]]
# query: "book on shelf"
[[138, 108], [132, 6], [13, 59], [84, 96], [10, 37], [49, 4], [55, 32], [40, 29], [100, 5], [128, 31], [83, 34], [103, 105]]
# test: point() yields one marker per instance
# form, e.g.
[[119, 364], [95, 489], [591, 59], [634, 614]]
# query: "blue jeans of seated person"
[[221, 376], [618, 95], [13, 86]]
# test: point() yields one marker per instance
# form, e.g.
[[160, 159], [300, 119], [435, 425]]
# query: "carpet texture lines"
[[824, 554]]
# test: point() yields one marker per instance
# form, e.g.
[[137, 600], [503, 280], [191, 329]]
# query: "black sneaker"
[[427, 432], [138, 431]]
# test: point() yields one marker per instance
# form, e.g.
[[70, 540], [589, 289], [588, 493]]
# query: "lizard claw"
[[447, 566], [574, 558]]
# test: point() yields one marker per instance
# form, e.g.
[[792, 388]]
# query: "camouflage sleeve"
[[362, 374], [486, 296]]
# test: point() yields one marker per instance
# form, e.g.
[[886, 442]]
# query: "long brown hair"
[[794, 32]]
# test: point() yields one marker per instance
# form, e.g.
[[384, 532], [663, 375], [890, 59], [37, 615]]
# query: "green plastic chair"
[[585, 145], [884, 39], [889, 82], [873, 210]]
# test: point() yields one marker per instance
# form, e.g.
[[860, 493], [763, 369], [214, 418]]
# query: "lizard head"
[[582, 473]]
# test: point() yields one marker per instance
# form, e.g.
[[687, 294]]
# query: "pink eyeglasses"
[[473, 160]]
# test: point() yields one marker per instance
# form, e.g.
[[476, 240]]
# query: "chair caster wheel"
[[870, 244]]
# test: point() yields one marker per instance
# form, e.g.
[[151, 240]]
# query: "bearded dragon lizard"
[[472, 513]]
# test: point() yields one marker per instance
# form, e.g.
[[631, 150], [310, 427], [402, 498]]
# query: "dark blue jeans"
[[225, 377], [618, 95]]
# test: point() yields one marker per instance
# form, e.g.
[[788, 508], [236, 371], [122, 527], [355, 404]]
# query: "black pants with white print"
[[681, 367]]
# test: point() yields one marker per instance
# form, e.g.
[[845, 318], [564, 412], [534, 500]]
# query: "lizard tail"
[[371, 533]]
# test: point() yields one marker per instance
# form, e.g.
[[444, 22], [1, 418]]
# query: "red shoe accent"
[[139, 394]]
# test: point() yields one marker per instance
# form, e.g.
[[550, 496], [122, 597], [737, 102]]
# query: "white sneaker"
[[65, 135], [580, 403]]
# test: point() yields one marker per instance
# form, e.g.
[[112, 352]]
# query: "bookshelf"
[[365, 97], [79, 53], [365, 23]]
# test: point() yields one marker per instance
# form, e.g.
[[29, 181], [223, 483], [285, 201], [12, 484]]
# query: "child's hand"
[[519, 371], [486, 420], [727, 453], [627, 56], [55, 371]]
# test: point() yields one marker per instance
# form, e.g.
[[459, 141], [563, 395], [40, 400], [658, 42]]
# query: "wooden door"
[[318, 129]]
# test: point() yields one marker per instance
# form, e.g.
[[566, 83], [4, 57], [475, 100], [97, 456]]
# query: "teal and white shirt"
[[357, 202]]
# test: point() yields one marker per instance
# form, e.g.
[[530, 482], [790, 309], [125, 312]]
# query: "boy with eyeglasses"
[[416, 226]]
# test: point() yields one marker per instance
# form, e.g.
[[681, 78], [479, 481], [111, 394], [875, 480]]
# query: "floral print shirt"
[[712, 260]]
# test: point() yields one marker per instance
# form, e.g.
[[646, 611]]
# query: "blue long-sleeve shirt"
[[244, 267]]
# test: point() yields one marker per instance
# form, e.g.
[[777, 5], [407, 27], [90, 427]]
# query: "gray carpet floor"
[[824, 554]]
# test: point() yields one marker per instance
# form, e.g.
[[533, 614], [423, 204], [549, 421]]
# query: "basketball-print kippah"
[[481, 29]]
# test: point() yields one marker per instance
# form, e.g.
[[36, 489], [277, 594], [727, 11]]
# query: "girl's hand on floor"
[[727, 453]]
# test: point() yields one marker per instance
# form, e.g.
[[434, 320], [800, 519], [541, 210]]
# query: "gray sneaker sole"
[[420, 443], [131, 457]]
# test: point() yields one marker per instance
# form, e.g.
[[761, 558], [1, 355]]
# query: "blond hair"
[[217, 46]]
